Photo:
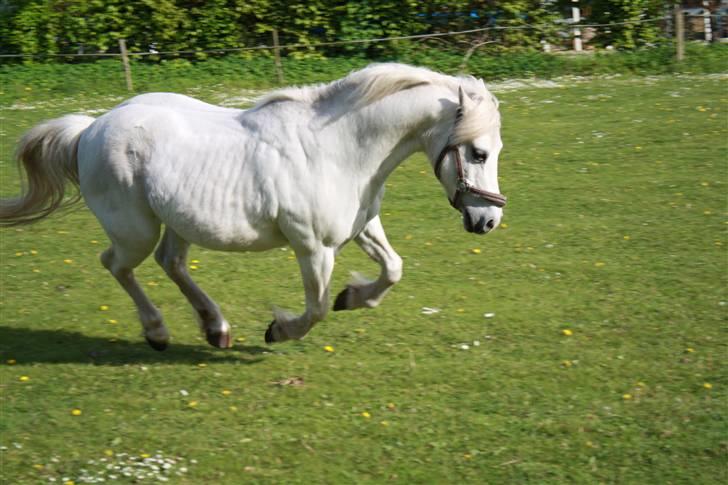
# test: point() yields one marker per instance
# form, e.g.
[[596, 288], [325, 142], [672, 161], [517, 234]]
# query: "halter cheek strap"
[[462, 186]]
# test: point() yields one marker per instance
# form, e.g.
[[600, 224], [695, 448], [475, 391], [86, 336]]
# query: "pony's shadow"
[[28, 346]]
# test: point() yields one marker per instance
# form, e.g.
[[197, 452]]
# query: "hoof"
[[341, 298], [269, 334], [160, 346], [221, 340]]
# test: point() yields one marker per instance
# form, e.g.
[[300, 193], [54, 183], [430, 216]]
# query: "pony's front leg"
[[363, 293], [316, 267]]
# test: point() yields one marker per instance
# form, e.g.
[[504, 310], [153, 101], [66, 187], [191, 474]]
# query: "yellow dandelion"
[[626, 397], [111, 320], [233, 408], [567, 332], [638, 148], [69, 482], [193, 266], [504, 225], [566, 363], [108, 452], [36, 270], [19, 253], [76, 412], [708, 385], [599, 264], [104, 308], [475, 251], [460, 310], [641, 384], [11, 361], [192, 404], [195, 261], [145, 455], [391, 406], [328, 348], [38, 466], [626, 238], [690, 350], [68, 261], [366, 415], [467, 456], [23, 378], [240, 339], [384, 423], [94, 241], [33, 252], [226, 392], [201, 365]]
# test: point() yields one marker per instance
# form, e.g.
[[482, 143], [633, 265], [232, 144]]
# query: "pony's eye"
[[479, 156]]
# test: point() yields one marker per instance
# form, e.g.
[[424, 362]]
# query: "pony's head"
[[464, 150]]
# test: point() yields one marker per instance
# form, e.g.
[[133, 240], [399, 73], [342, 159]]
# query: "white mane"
[[377, 81]]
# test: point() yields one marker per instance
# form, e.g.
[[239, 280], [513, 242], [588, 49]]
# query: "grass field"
[[604, 361]]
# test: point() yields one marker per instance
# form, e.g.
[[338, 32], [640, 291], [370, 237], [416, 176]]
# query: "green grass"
[[615, 229]]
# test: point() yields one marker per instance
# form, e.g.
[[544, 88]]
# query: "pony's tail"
[[48, 153]]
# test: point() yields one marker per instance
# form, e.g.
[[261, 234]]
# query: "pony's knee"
[[172, 265]]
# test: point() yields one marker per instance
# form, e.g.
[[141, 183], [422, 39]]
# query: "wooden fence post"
[[277, 56], [679, 32], [125, 61]]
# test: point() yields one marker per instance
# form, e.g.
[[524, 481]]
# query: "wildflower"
[[226, 392], [566, 363], [328, 348], [384, 423], [12, 361], [504, 225], [475, 251], [111, 320], [599, 264], [193, 266], [19, 253], [33, 252], [76, 412], [192, 404], [488, 315], [240, 339], [626, 397], [391, 406], [24, 378], [195, 261], [690, 350], [38, 466], [366, 415], [108, 452], [104, 308], [708, 385], [567, 332], [68, 261], [201, 365]]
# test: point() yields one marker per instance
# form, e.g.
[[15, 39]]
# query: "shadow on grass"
[[61, 347]]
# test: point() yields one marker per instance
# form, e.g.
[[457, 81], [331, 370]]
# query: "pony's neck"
[[392, 129]]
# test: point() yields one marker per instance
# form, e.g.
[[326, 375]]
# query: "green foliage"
[[49, 27]]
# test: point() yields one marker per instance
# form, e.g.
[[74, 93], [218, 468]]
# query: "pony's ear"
[[465, 102]]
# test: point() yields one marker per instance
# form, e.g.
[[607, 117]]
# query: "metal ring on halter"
[[462, 186]]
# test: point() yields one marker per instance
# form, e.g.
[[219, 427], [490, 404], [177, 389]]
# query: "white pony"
[[304, 167]]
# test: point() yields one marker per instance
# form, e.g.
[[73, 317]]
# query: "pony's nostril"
[[490, 224]]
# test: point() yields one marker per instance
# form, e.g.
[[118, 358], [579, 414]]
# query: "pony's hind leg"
[[172, 257], [120, 259], [363, 293]]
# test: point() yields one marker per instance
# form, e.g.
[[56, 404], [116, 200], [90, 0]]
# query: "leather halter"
[[462, 186]]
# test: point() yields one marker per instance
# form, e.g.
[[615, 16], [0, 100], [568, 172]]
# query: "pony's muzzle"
[[479, 222]]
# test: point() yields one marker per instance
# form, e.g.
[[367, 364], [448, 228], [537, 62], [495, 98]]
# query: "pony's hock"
[[267, 177]]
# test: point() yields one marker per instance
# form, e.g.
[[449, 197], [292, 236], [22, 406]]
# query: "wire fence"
[[572, 36]]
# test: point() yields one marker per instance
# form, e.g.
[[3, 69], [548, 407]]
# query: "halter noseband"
[[462, 186]]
